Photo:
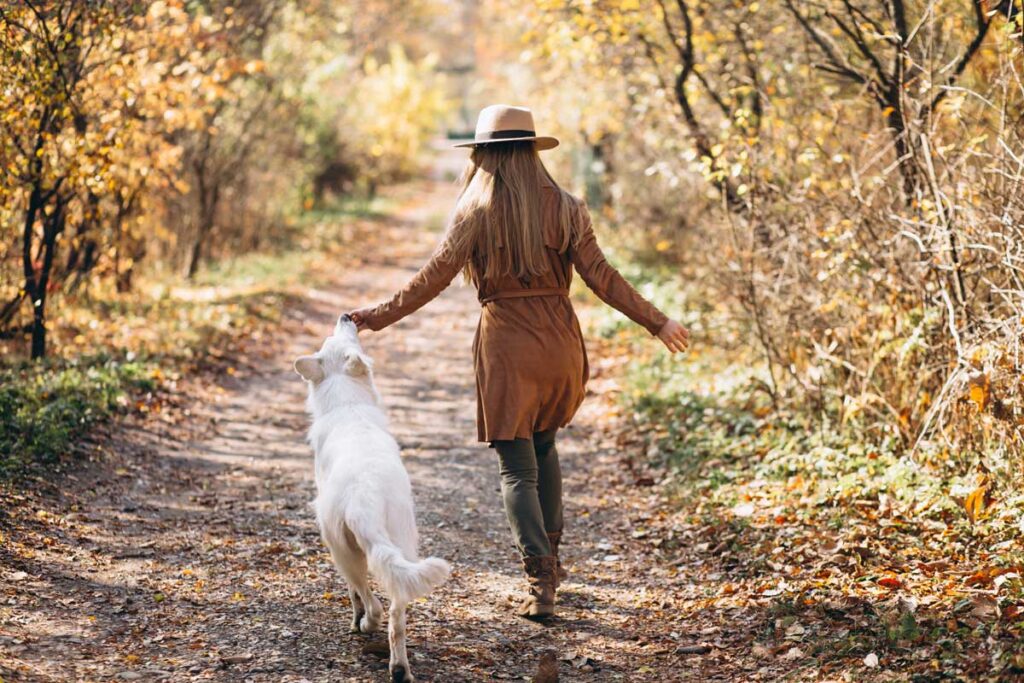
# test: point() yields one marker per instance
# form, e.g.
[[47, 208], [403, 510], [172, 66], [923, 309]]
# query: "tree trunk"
[[122, 273], [31, 278], [208, 199], [196, 256], [39, 326], [905, 152], [205, 228], [53, 226]]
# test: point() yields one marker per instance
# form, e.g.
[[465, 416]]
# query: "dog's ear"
[[310, 367], [357, 364]]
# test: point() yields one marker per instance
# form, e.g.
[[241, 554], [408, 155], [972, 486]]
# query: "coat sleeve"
[[430, 281], [608, 283]]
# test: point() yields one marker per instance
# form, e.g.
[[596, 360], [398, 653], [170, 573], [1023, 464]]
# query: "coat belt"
[[523, 293]]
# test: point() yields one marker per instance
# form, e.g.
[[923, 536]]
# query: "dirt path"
[[198, 559]]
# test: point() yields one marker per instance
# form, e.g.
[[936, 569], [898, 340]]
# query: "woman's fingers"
[[675, 337], [359, 318], [674, 344]]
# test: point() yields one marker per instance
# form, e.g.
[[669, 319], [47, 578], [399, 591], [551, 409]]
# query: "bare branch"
[[837, 64], [855, 34], [982, 25]]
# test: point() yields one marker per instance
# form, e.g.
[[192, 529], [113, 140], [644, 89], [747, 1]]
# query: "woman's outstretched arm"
[[614, 290], [430, 281]]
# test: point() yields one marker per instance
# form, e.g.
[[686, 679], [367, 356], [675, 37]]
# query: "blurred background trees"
[[168, 134], [841, 178]]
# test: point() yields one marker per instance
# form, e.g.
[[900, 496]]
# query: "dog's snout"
[[345, 318]]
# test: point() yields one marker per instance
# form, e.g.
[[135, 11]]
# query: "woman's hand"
[[674, 336], [359, 318]]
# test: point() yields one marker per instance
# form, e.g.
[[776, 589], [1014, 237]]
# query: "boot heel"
[[540, 601]]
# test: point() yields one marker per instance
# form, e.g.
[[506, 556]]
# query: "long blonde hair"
[[497, 225]]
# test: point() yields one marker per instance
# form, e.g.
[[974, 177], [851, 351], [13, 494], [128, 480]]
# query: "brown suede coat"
[[531, 364]]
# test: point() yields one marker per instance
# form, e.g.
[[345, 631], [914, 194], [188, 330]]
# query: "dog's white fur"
[[364, 500]]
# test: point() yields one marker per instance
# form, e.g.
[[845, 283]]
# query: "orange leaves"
[[255, 66], [978, 500], [974, 504], [890, 582], [987, 576], [978, 389]]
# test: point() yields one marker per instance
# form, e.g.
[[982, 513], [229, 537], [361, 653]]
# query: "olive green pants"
[[531, 486]]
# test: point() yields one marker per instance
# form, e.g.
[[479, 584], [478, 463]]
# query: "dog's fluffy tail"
[[404, 580], [401, 578]]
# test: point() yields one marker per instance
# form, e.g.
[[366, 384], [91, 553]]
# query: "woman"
[[517, 236]]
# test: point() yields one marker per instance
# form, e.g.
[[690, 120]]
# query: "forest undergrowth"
[[854, 548]]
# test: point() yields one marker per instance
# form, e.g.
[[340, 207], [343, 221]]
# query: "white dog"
[[364, 500]]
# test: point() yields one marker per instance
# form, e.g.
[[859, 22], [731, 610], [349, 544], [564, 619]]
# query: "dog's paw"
[[368, 624], [399, 674], [357, 619]]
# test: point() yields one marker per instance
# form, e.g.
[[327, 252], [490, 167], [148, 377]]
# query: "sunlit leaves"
[[400, 102]]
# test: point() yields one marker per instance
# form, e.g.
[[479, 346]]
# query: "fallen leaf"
[[984, 607], [578, 661], [975, 502], [547, 669], [744, 510], [979, 389]]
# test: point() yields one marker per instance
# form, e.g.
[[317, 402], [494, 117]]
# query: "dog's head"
[[340, 355]]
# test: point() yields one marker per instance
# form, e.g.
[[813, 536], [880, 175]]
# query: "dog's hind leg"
[[399, 664], [348, 566], [366, 608], [351, 564], [358, 611]]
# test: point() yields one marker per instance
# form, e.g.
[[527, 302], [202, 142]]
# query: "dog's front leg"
[[399, 665]]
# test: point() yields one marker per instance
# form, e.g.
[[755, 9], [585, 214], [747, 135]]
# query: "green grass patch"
[[45, 408]]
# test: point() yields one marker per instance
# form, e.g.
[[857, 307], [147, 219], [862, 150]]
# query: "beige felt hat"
[[504, 123]]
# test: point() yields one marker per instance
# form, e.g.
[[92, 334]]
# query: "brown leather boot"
[[554, 538], [540, 603]]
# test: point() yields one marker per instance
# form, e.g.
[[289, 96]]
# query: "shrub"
[[44, 409]]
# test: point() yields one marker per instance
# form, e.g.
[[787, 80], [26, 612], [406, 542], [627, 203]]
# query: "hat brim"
[[543, 142]]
